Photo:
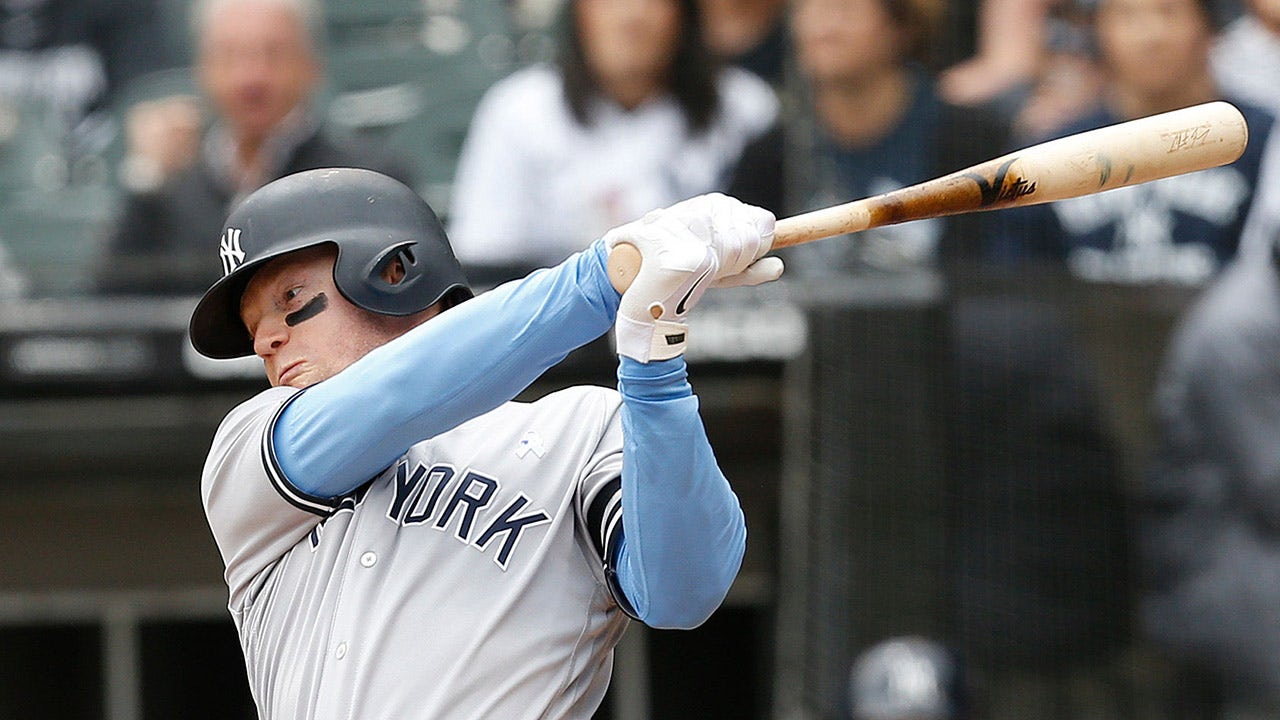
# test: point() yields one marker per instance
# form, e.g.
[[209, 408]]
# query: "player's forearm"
[[683, 530], [451, 369]]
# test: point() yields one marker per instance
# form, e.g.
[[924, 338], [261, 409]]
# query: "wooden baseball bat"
[[1127, 153]]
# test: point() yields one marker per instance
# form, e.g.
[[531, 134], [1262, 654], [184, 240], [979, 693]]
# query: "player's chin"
[[295, 375], [305, 379]]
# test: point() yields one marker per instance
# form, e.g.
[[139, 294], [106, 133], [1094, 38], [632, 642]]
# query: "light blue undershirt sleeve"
[[683, 532], [336, 435]]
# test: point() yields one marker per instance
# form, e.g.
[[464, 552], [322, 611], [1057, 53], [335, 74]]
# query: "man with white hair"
[[257, 67]]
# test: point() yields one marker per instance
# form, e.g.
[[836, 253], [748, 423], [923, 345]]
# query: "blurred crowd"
[[128, 129]]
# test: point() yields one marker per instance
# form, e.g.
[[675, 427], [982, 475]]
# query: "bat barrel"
[[1134, 152], [1128, 153]]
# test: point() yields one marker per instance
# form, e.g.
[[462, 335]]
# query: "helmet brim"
[[215, 329]]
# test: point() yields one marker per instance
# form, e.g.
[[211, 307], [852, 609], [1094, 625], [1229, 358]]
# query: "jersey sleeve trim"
[[604, 511], [604, 524], [324, 507], [615, 585]]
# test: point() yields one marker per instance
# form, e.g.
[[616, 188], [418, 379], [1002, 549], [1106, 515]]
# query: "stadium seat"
[[411, 76], [52, 236]]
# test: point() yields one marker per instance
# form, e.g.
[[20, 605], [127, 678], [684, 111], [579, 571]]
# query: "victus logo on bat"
[[995, 191]]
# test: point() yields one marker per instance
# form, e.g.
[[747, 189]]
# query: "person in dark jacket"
[[1209, 521], [258, 67]]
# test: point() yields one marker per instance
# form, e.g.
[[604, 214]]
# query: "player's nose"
[[269, 335]]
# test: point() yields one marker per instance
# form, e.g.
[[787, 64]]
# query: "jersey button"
[[341, 652], [369, 559]]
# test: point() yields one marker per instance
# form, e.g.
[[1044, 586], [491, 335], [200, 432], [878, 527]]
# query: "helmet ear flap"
[[397, 265], [384, 280], [406, 263]]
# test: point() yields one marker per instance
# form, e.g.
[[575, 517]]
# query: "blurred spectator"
[[751, 34], [1010, 41], [1068, 81], [1177, 230], [635, 116], [1045, 571], [1246, 64], [1034, 64], [258, 67], [1246, 56], [1210, 521], [70, 59], [907, 678], [869, 121]]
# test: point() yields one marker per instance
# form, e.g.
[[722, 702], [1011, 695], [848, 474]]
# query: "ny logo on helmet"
[[229, 250]]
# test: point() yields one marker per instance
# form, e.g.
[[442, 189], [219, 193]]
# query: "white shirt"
[[1246, 63], [533, 185]]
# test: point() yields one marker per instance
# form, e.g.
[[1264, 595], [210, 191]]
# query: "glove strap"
[[657, 340]]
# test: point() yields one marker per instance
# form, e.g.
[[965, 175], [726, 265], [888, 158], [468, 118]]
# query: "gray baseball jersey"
[[464, 581]]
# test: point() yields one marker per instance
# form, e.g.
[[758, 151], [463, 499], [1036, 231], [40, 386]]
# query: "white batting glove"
[[677, 267], [738, 233]]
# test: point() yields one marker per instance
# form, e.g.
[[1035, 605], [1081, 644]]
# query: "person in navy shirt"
[[1178, 230], [868, 120]]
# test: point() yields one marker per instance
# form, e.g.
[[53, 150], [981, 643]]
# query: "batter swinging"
[[401, 540]]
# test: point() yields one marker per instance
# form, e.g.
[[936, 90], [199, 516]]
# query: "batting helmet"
[[372, 219]]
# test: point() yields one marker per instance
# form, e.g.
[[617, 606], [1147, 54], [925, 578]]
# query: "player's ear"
[[393, 272]]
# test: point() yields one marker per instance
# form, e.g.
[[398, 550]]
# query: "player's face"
[[256, 64], [843, 41], [626, 40], [304, 329], [1153, 46]]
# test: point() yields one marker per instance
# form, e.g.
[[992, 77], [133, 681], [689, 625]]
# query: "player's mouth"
[[290, 371]]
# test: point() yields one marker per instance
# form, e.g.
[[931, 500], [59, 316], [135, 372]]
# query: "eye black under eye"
[[312, 308]]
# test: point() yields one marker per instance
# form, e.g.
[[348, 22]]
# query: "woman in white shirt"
[[634, 116]]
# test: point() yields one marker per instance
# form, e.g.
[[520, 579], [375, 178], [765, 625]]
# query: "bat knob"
[[623, 265]]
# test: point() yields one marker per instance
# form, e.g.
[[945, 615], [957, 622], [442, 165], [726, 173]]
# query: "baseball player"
[[401, 540]]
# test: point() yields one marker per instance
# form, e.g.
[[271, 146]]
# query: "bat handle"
[[828, 222], [624, 259]]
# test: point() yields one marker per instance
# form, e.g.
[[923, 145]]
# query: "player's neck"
[[860, 113], [1130, 103]]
